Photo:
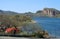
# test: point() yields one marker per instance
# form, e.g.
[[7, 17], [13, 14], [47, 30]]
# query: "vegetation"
[[7, 21], [57, 15], [23, 23], [14, 19]]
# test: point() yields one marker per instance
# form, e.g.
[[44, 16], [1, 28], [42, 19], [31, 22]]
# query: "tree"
[[39, 11]]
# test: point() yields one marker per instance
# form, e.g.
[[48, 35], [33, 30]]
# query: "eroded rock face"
[[50, 11]]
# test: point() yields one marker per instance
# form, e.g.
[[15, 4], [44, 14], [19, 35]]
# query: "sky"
[[22, 6]]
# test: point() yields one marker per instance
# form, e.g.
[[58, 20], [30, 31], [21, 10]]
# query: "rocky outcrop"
[[50, 11]]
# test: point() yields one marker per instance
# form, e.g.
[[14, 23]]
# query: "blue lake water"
[[52, 25]]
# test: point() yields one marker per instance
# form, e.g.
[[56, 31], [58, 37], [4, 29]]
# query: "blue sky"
[[28, 5]]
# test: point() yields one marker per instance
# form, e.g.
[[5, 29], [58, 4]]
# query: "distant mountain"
[[51, 12], [8, 12]]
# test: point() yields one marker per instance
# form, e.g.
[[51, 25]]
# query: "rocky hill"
[[48, 12], [7, 12]]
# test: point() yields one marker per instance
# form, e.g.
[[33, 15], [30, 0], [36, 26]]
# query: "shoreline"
[[33, 21]]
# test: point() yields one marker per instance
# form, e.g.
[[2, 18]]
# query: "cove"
[[50, 24]]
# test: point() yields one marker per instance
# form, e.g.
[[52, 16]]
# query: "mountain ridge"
[[45, 12]]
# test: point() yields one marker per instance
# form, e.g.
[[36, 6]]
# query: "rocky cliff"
[[48, 12]]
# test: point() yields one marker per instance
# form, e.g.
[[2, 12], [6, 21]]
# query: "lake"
[[51, 25]]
